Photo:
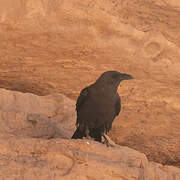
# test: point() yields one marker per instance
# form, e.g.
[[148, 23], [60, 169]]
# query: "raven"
[[98, 105]]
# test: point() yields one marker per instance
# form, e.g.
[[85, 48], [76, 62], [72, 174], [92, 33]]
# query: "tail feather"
[[78, 134], [94, 133]]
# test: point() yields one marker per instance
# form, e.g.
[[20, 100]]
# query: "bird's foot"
[[88, 137], [106, 142], [87, 134]]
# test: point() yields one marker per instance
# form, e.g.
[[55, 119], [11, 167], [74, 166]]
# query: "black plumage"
[[98, 105]]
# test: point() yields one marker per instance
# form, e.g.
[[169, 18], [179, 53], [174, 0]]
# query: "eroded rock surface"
[[35, 144], [52, 46]]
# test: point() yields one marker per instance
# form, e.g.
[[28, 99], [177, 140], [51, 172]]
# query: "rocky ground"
[[58, 46], [35, 144]]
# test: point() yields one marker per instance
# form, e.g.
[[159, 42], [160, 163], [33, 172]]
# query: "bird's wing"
[[82, 97], [118, 106], [117, 111]]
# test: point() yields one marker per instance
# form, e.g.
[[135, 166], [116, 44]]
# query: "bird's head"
[[113, 78]]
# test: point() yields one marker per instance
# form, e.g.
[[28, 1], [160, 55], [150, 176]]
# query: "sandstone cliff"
[[61, 46]]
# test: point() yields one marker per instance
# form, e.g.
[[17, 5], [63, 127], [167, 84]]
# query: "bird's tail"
[[78, 134]]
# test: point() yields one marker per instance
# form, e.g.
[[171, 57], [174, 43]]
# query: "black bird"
[[98, 105]]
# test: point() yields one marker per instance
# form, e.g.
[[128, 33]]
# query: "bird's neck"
[[106, 91]]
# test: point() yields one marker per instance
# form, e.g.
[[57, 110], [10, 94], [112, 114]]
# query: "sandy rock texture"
[[35, 144], [60, 46]]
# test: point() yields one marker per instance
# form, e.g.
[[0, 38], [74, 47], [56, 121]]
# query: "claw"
[[106, 141]]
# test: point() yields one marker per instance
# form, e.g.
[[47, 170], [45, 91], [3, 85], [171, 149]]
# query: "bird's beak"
[[126, 77]]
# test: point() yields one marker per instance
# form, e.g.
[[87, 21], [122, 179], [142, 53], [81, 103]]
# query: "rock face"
[[35, 144], [52, 46]]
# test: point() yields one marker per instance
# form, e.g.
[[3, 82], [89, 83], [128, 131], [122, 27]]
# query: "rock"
[[41, 127], [58, 46], [35, 146], [26, 125], [33, 116]]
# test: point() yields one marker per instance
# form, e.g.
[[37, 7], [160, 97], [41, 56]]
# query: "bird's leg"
[[106, 141], [87, 133]]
